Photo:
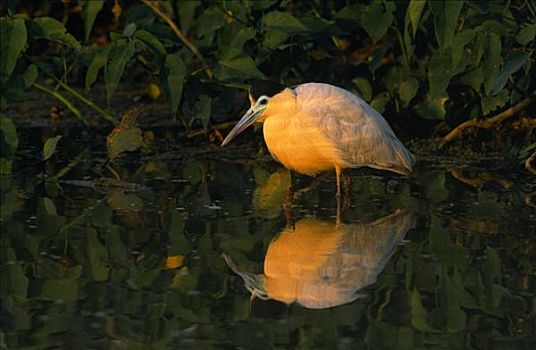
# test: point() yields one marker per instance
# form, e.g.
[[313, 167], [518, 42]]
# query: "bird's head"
[[261, 95]]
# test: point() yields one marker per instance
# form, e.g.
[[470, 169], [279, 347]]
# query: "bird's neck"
[[282, 106]]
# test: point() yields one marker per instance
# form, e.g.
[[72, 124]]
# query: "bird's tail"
[[399, 158], [404, 157]]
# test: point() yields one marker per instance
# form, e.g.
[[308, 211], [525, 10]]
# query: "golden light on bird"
[[320, 264], [317, 127]]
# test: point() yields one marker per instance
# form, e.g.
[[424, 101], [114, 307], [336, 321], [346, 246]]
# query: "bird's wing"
[[360, 133]]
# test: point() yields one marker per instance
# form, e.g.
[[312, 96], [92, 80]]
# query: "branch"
[[490, 122], [155, 8]]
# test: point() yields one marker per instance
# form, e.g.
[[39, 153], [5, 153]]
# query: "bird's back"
[[360, 133]]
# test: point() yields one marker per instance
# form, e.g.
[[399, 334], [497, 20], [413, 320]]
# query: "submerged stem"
[[62, 99]]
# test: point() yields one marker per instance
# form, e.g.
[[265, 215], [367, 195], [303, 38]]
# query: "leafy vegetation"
[[446, 61]]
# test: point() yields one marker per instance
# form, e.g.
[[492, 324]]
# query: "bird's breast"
[[297, 142]]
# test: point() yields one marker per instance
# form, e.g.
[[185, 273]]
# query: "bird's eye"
[[263, 101]]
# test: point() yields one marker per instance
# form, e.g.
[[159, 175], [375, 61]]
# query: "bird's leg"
[[289, 218], [338, 172], [347, 183], [290, 193], [287, 206], [338, 220]]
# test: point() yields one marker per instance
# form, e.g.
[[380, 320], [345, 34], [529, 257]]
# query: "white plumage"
[[315, 127]]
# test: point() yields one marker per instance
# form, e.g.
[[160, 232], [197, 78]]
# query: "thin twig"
[[490, 122], [155, 8], [528, 163]]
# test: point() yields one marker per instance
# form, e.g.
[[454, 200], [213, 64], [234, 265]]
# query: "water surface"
[[197, 251]]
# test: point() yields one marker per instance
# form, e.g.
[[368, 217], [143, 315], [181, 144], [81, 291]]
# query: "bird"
[[320, 264], [316, 127]]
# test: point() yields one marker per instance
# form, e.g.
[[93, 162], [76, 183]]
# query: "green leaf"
[[119, 200], [419, 314], [395, 77], [407, 91], [90, 9], [526, 34], [210, 20], [446, 15], [14, 36], [120, 53], [283, 21], [272, 39], [380, 101], [237, 35], [414, 11], [490, 103], [456, 317], [97, 63], [12, 275], [235, 64], [8, 201], [432, 107], [30, 75], [123, 139], [376, 19], [178, 244], [50, 147], [464, 297], [8, 137], [98, 256], [173, 80], [259, 5], [491, 62], [364, 88], [129, 30], [461, 39], [440, 72], [50, 207], [150, 41], [491, 267], [52, 29], [60, 290], [514, 62], [186, 11], [473, 78], [269, 196], [202, 110]]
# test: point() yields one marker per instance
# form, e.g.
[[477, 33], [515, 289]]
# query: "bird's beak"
[[249, 118]]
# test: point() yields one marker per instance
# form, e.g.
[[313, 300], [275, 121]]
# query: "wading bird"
[[316, 127]]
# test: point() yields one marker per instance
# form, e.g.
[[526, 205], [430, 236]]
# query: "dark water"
[[441, 259]]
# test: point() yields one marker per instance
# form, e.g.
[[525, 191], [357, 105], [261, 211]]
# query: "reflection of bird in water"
[[316, 127], [318, 264]]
